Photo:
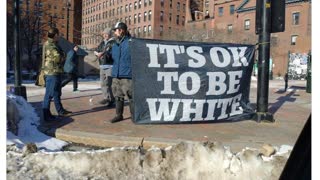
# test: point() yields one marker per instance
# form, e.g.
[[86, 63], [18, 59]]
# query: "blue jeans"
[[53, 90]]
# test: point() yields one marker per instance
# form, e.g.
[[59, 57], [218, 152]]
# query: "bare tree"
[[31, 29], [10, 41]]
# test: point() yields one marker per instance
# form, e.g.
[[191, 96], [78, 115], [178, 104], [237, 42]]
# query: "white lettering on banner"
[[195, 82], [197, 59], [166, 76], [163, 110], [225, 60], [170, 49], [201, 60], [187, 110], [167, 108], [234, 84], [153, 55], [216, 82], [239, 56]]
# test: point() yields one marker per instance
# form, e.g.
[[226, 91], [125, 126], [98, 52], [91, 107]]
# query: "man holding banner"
[[121, 71]]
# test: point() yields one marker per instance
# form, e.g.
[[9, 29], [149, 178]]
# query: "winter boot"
[[47, 116], [119, 111]]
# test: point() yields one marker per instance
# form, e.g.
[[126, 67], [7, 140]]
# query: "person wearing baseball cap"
[[121, 71]]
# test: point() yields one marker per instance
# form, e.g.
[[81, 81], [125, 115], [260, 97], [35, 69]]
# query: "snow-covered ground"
[[203, 160]]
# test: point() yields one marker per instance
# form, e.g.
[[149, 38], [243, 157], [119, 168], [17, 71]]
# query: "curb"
[[102, 140]]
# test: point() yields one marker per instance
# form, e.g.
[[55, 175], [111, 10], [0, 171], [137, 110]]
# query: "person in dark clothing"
[[286, 82], [53, 60], [105, 64], [71, 68], [121, 71]]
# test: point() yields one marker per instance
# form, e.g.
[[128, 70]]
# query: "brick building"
[[154, 19], [235, 20], [41, 14]]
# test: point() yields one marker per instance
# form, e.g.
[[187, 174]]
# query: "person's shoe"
[[65, 113], [110, 104], [103, 101], [117, 119], [75, 91], [47, 116]]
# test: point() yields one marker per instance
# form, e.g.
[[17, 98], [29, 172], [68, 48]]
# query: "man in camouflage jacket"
[[53, 69]]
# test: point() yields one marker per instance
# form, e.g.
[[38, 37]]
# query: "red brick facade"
[[243, 29], [156, 19], [53, 13]]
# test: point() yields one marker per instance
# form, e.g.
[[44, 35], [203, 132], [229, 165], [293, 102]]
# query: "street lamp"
[[17, 89], [68, 16]]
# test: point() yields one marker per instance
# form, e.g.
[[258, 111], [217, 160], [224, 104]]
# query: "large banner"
[[187, 82]]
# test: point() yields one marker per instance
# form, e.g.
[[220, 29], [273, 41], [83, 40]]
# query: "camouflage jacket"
[[53, 58]]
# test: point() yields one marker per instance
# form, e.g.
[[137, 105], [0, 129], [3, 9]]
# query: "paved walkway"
[[90, 122]]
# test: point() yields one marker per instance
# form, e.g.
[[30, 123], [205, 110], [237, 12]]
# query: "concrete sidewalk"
[[90, 122]]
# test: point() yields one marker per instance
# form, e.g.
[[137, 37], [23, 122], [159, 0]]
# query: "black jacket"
[[106, 58]]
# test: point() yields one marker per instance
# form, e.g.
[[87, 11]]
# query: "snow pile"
[[27, 122], [182, 161]]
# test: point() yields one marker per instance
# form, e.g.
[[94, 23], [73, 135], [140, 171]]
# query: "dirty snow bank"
[[22, 123], [182, 161]]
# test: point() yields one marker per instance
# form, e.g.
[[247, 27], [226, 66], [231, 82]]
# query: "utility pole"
[[68, 14], [17, 89], [263, 62], [270, 18]]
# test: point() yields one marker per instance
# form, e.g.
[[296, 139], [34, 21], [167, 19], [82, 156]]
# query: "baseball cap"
[[120, 25]]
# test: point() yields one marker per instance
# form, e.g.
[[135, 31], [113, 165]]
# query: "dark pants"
[[53, 90], [74, 78]]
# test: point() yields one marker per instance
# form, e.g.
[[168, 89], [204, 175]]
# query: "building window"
[[170, 17], [135, 5], [145, 3], [135, 19], [161, 30], [247, 24], [144, 29], [183, 19], [231, 9], [177, 20], [130, 7], [150, 2], [229, 28], [184, 7], [162, 3], [274, 41], [140, 4], [220, 11], [295, 18], [129, 20], [170, 4], [149, 17], [149, 29], [139, 17], [139, 31], [206, 4], [161, 16], [294, 39], [178, 6], [145, 16]]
